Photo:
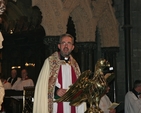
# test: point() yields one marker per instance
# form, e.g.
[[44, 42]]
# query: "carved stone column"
[[128, 46]]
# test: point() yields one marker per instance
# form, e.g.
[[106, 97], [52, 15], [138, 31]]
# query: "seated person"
[[25, 80], [133, 99], [14, 80], [5, 83], [105, 103]]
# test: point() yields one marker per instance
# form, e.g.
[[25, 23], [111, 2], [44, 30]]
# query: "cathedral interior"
[[107, 29]]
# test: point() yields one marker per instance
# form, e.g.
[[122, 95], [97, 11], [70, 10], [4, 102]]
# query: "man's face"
[[23, 73], [13, 73], [66, 46]]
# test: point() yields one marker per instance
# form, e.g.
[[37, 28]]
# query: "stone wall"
[[135, 17], [136, 39]]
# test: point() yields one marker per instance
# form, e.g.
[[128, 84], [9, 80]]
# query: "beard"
[[65, 52]]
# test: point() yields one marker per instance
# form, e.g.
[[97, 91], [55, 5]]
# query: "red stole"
[[60, 104]]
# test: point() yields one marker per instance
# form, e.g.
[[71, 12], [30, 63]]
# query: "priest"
[[133, 99], [59, 71]]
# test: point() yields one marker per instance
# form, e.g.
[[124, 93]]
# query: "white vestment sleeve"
[[31, 83], [105, 103], [132, 103], [41, 90], [15, 85], [1, 93], [1, 39]]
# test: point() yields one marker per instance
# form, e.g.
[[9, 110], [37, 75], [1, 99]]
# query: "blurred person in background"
[[105, 103], [13, 79], [133, 99], [25, 80]]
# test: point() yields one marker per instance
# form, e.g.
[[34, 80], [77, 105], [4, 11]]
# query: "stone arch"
[[55, 14], [84, 22], [106, 22], [86, 16]]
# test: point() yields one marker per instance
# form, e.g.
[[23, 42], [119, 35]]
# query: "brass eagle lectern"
[[89, 87]]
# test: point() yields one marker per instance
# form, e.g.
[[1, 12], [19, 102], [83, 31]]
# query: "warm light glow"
[[14, 67], [11, 31], [29, 64]]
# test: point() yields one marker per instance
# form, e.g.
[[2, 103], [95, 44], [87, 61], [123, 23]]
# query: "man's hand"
[[61, 92], [112, 111]]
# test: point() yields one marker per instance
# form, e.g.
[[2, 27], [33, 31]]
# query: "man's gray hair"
[[64, 35], [137, 83]]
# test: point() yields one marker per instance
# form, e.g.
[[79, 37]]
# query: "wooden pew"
[[13, 101]]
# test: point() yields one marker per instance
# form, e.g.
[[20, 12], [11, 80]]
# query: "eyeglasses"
[[66, 43]]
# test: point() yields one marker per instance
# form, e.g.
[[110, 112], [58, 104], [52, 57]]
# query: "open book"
[[113, 105]]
